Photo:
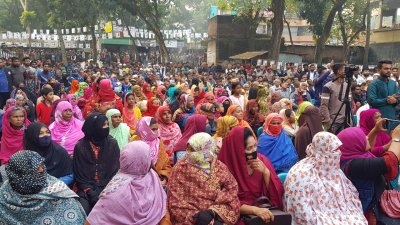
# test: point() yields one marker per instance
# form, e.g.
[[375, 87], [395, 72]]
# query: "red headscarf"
[[159, 89], [232, 154], [194, 124], [74, 86], [148, 94], [106, 93], [207, 96], [151, 108]]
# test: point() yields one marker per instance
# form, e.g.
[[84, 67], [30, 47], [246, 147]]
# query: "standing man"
[[312, 74], [5, 83], [46, 74], [17, 73], [382, 93]]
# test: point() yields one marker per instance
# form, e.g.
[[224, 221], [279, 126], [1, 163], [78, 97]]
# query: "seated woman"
[[152, 105], [237, 111], [170, 133], [289, 122], [254, 173], [316, 190], [37, 138], [96, 160], [274, 144], [31, 196], [14, 123], [194, 124], [107, 98], [73, 99], [310, 123], [201, 188], [225, 125], [118, 130], [253, 115], [186, 109], [368, 120], [147, 129], [134, 195], [66, 130], [367, 172], [209, 110], [131, 113], [27, 104], [226, 103]]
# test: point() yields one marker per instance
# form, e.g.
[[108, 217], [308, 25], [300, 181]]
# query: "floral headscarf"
[[225, 124], [203, 152]]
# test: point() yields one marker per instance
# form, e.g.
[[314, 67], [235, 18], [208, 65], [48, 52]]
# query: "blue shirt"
[[45, 76], [3, 81]]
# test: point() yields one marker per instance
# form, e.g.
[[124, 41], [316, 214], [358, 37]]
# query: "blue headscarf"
[[171, 96]]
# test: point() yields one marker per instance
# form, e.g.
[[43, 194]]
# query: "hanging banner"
[[108, 27]]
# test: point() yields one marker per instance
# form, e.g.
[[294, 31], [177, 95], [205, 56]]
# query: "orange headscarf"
[[270, 117], [74, 86], [242, 122]]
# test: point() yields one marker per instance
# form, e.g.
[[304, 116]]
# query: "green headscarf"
[[301, 109], [120, 133], [82, 85]]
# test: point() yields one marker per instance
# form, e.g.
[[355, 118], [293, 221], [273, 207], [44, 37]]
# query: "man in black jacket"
[[5, 83]]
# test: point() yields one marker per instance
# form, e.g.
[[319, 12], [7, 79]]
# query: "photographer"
[[333, 94]]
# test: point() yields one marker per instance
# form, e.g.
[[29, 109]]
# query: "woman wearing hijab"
[[171, 97], [289, 122], [93, 98], [66, 130], [131, 113], [28, 105], [195, 124], [274, 144], [74, 87], [118, 130], [237, 111], [209, 110], [301, 109], [170, 133], [37, 138], [310, 123], [152, 105], [107, 97], [14, 123], [96, 160], [368, 173], [147, 129], [262, 99], [224, 125], [253, 115], [368, 120], [82, 86], [134, 195], [139, 96], [75, 109], [316, 190], [191, 198], [161, 93], [31, 196], [226, 103], [10, 103], [186, 109], [208, 98], [146, 88], [254, 173]]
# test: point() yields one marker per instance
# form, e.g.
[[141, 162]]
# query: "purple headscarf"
[[135, 182], [354, 144]]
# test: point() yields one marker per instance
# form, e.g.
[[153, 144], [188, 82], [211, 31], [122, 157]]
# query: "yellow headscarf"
[[224, 125], [301, 109]]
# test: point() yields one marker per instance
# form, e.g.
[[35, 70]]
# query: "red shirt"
[[43, 113]]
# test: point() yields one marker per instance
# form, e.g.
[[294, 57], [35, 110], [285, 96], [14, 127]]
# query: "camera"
[[349, 71]]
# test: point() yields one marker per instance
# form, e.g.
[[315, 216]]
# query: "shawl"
[[75, 108], [171, 94], [160, 94], [148, 94], [203, 152], [224, 125], [147, 135], [310, 123], [316, 190], [106, 92], [66, 133], [262, 99], [170, 133], [270, 117], [11, 139], [242, 122], [279, 150], [251, 187], [130, 116], [301, 109], [135, 182], [87, 92], [57, 161], [194, 124], [220, 92], [151, 108], [354, 144], [82, 86], [120, 133], [208, 98], [367, 123], [206, 109], [74, 87], [141, 96]]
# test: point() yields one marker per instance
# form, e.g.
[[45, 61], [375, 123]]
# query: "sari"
[[130, 116], [170, 133], [75, 109], [148, 94], [11, 139], [74, 87], [242, 122], [120, 133], [317, 192], [200, 182], [66, 133], [183, 113], [151, 108]]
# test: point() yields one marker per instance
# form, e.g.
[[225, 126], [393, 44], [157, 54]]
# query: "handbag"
[[390, 201], [280, 217]]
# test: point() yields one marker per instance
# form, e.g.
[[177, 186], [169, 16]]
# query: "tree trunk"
[[368, 37], [94, 43], [163, 49], [133, 39], [278, 7], [62, 47], [290, 32]]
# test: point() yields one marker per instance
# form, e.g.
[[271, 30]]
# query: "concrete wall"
[[384, 51]]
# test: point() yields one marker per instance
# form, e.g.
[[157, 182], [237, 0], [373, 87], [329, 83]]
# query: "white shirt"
[[238, 101], [358, 113]]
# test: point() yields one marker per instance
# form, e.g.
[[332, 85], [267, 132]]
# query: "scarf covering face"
[[203, 152], [82, 86], [330, 198], [12, 139], [148, 136], [225, 124], [75, 108], [134, 182], [120, 133], [22, 172], [106, 92], [267, 127], [302, 108], [354, 144], [66, 133], [194, 124], [74, 87], [170, 133], [93, 129]]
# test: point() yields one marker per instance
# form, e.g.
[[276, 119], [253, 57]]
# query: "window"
[[398, 17]]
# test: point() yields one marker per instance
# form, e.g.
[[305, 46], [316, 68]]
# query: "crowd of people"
[[172, 144]]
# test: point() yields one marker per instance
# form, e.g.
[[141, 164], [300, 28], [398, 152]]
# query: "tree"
[[278, 8], [26, 19], [320, 15]]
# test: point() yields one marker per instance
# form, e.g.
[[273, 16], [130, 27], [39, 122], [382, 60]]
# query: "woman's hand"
[[258, 165], [264, 214]]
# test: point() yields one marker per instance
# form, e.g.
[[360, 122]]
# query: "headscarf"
[[128, 115], [221, 100], [160, 94], [242, 122], [106, 92], [170, 133], [57, 161], [74, 86], [225, 124], [208, 110], [82, 86], [301, 108], [148, 94], [183, 101], [194, 124], [262, 99], [354, 144], [11, 139], [148, 136], [318, 185], [204, 100], [171, 94], [267, 128], [10, 103], [22, 173], [120, 133], [203, 152], [250, 116], [151, 108], [75, 108], [66, 133], [135, 182], [367, 123], [286, 103], [251, 187], [93, 128]]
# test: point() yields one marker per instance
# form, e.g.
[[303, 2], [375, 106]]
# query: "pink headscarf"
[[66, 133], [270, 117], [134, 182], [170, 133], [148, 136], [12, 139], [77, 111], [354, 144]]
